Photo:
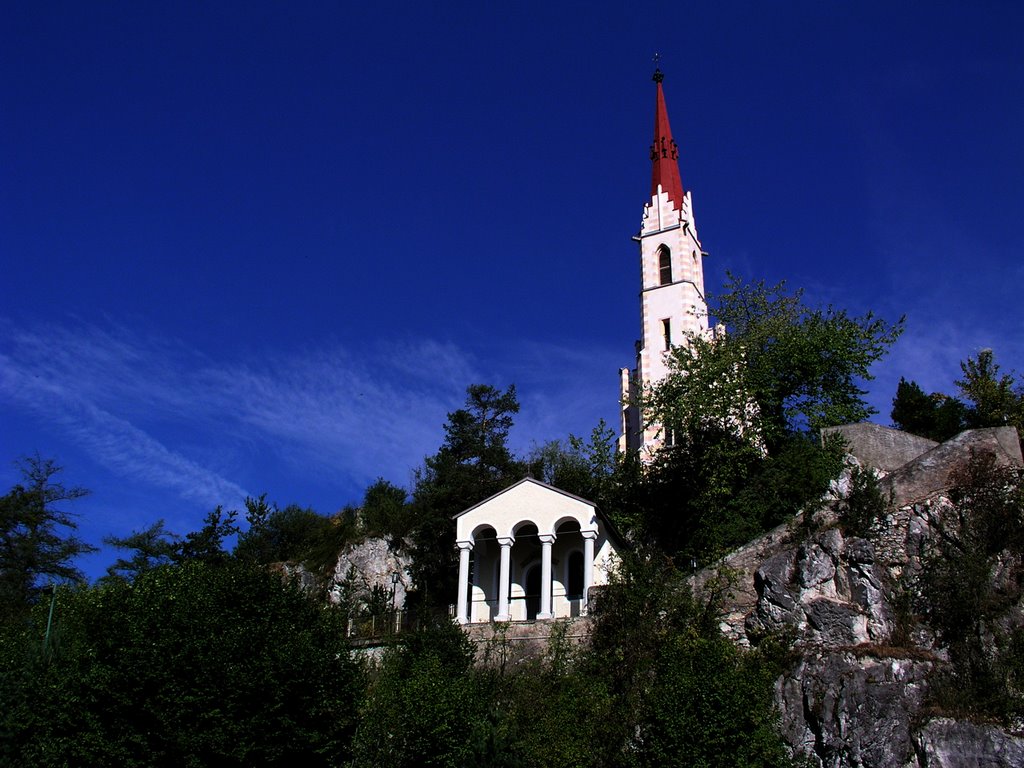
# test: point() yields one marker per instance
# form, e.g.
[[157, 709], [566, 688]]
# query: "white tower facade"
[[672, 304]]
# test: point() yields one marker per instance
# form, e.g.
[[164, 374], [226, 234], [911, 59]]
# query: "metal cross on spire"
[[658, 77]]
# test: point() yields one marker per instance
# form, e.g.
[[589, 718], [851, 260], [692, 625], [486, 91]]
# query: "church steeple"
[[664, 152], [672, 306]]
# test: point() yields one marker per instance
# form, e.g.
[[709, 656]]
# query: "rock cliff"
[[856, 694], [366, 567]]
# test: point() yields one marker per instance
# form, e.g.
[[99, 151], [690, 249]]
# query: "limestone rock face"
[[856, 693], [366, 565], [851, 700], [839, 709], [944, 743], [827, 590]]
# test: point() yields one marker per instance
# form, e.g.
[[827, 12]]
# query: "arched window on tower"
[[665, 264]]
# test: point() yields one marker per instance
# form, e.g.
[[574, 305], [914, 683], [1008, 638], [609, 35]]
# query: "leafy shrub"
[[864, 504], [970, 581]]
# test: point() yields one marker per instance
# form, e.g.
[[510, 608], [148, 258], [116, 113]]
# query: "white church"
[[532, 551]]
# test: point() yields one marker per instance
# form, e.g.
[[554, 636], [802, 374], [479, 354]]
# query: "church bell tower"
[[672, 305]]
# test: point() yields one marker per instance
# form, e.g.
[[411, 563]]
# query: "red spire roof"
[[664, 152]]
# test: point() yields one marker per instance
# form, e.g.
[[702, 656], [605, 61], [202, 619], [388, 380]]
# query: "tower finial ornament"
[[658, 76]]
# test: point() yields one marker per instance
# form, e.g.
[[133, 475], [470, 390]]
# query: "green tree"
[[745, 408], [709, 704], [425, 706], [781, 367], [386, 513], [474, 462], [715, 491], [994, 399], [545, 711], [680, 693], [935, 416], [207, 543], [990, 399], [151, 547], [37, 541], [155, 545], [292, 534], [864, 505], [594, 470], [582, 467], [187, 665]]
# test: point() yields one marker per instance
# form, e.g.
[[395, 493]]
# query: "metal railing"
[[371, 627]]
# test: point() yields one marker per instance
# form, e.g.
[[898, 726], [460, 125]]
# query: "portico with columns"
[[530, 552]]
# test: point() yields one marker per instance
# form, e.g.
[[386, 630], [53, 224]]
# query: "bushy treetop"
[[781, 366]]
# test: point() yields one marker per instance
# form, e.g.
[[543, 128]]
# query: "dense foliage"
[[863, 507], [971, 585], [743, 410], [657, 686], [680, 694], [714, 491], [293, 534], [189, 664], [425, 705]]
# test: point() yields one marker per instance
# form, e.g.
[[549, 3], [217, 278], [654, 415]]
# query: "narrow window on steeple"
[[665, 264], [666, 331]]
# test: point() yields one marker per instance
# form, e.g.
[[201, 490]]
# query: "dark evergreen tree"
[[292, 534], [37, 541], [990, 399], [474, 462], [385, 512], [150, 548], [935, 416]]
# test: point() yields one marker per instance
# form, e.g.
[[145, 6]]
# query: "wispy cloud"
[[126, 398], [166, 414], [43, 386]]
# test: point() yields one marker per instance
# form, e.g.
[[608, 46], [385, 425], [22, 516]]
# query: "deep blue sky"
[[251, 247]]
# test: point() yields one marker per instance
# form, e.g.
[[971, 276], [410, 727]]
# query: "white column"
[[588, 565], [461, 610], [546, 540], [504, 581]]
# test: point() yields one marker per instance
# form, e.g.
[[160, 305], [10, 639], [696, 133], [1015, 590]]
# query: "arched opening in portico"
[[483, 565], [533, 585], [526, 552], [574, 575], [568, 560]]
